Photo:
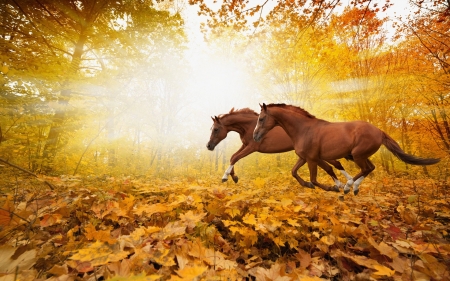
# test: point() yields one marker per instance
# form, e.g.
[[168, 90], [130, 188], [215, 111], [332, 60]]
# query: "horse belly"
[[335, 143]]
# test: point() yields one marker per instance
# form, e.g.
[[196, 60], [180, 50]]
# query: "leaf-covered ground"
[[146, 229]]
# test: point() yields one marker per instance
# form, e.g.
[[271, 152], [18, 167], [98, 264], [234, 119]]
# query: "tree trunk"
[[111, 149], [51, 144]]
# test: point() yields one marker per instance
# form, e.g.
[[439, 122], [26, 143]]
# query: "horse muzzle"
[[257, 136], [210, 146]]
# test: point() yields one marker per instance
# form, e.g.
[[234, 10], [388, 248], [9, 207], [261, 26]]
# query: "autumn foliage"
[[266, 229], [104, 117]]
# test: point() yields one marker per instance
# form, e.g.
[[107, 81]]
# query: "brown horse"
[[315, 139], [243, 122]]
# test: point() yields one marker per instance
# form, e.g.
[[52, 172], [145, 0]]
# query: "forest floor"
[[192, 229]]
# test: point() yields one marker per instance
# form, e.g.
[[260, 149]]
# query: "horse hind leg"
[[366, 168]]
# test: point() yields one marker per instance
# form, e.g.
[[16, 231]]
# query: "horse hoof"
[[346, 191], [335, 188], [235, 179], [310, 185], [224, 180], [356, 192]]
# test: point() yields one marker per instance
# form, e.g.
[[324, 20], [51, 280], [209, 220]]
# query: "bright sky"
[[217, 83]]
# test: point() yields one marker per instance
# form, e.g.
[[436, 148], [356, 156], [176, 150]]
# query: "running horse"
[[243, 122], [315, 139]]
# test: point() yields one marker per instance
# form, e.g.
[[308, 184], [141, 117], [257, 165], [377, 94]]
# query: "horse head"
[[265, 123], [218, 133]]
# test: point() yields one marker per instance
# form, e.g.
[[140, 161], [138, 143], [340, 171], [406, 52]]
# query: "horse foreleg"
[[231, 167], [297, 166], [241, 153], [312, 165], [227, 172]]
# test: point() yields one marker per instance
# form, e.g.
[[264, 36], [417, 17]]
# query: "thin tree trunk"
[[50, 147]]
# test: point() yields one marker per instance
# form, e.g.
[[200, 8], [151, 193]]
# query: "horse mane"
[[292, 108], [238, 111]]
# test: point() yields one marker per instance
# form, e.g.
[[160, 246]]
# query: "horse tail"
[[393, 147]]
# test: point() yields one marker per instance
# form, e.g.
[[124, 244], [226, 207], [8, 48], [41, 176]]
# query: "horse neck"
[[292, 123], [243, 124]]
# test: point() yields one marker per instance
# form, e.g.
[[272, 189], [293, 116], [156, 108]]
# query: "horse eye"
[[261, 119], [216, 129]]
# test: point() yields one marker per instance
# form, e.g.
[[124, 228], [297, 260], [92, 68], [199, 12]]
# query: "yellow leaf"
[[286, 202], [293, 222], [139, 277], [189, 273], [383, 270], [279, 241], [369, 263], [99, 253], [121, 268], [328, 240], [152, 209], [101, 235], [162, 257], [233, 212], [171, 230], [249, 219], [24, 262], [5, 69], [227, 223], [190, 219], [276, 272], [59, 270], [407, 215], [259, 182]]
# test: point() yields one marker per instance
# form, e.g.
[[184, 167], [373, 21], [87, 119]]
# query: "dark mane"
[[238, 111], [292, 108]]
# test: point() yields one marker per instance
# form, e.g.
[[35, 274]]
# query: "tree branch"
[[26, 171]]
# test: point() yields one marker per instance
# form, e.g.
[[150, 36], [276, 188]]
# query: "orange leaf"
[[101, 235], [50, 219], [5, 217]]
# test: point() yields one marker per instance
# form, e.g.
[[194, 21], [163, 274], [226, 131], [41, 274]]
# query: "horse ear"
[[217, 119], [264, 106], [213, 119]]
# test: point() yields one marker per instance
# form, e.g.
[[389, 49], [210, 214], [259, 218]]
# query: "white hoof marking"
[[338, 183], [357, 183], [347, 185], [227, 173]]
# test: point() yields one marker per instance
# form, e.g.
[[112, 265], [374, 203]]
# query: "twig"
[[26, 171]]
